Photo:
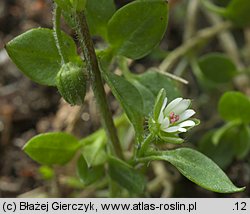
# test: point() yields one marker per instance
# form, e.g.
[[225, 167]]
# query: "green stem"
[[58, 34], [145, 144], [123, 65], [87, 47], [201, 36], [214, 8]]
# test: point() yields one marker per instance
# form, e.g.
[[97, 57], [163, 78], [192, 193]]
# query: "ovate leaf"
[[98, 13], [222, 130], [129, 98], [221, 153], [155, 81], [242, 141], [234, 106], [217, 67], [148, 97], [126, 176], [52, 148], [87, 174], [94, 152], [36, 55], [238, 12], [135, 29], [199, 169], [149, 84]]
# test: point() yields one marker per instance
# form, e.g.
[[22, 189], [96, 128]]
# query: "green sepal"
[[170, 138], [158, 103]]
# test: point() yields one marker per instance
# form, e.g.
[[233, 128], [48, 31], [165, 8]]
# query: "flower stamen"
[[173, 117]]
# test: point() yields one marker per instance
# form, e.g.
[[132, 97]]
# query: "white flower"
[[174, 116]]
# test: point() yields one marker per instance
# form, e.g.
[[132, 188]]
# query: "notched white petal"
[[172, 105], [182, 106], [161, 115], [186, 114], [174, 117], [182, 130], [165, 123], [187, 123], [172, 129]]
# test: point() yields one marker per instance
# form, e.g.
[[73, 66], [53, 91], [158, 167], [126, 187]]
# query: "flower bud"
[[71, 83]]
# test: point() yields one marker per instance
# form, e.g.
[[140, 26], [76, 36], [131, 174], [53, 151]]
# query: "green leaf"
[[98, 13], [46, 172], [221, 153], [149, 84], [234, 141], [94, 153], [135, 29], [242, 141], [87, 174], [217, 67], [221, 131], [36, 55], [52, 148], [234, 106], [129, 98], [148, 97], [155, 81], [238, 12], [199, 169], [126, 176]]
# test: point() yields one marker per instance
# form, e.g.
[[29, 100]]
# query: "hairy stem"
[[58, 34], [191, 19], [87, 47]]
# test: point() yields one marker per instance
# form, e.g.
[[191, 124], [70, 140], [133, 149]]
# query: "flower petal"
[[161, 115], [182, 130], [182, 106], [187, 123], [172, 105], [171, 129], [165, 123], [186, 114]]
